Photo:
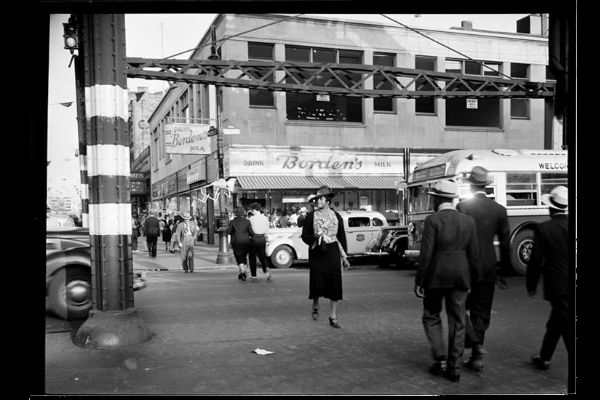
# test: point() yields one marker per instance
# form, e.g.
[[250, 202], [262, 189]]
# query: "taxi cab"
[[285, 245]]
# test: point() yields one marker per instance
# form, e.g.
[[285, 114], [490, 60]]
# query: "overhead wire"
[[446, 46]]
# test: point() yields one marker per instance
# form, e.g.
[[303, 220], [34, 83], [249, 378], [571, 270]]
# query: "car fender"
[[273, 244], [58, 260]]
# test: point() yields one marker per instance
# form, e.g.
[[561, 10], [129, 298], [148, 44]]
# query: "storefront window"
[[184, 203]]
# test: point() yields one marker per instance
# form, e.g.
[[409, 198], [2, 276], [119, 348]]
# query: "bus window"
[[521, 189], [550, 181], [420, 201]]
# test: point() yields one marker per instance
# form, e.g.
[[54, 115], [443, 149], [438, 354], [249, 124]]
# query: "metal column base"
[[224, 256], [112, 329]]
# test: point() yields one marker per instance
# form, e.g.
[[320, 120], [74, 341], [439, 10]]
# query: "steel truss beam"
[[335, 79]]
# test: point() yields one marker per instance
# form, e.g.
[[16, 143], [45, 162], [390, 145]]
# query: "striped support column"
[[81, 129], [112, 322]]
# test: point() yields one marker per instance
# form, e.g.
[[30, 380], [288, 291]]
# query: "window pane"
[[386, 59], [261, 97], [379, 82], [294, 53], [350, 57], [521, 189], [494, 66], [519, 108], [550, 181], [355, 222], [324, 56], [425, 105], [472, 67], [426, 63], [454, 66], [549, 75], [519, 70], [260, 51], [487, 113]]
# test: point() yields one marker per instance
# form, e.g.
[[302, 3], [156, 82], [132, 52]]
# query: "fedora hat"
[[479, 176], [557, 199], [322, 192], [186, 216], [445, 188]]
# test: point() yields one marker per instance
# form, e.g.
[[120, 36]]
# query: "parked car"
[[389, 245], [69, 273], [285, 245]]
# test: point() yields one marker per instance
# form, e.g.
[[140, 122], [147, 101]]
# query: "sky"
[[163, 35]]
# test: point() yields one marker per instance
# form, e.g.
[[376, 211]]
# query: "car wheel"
[[282, 257], [70, 293], [522, 245]]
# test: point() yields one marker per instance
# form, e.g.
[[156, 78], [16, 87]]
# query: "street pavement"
[[206, 325]]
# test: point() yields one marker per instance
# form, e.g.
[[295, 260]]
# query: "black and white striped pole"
[[113, 321]]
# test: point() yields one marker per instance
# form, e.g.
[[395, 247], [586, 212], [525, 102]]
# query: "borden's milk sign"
[[187, 139]]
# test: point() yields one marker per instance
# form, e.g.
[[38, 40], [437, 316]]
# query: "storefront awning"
[[314, 182]]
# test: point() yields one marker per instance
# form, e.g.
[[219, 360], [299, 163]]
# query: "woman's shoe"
[[452, 376], [315, 313], [333, 322], [243, 276], [240, 275]]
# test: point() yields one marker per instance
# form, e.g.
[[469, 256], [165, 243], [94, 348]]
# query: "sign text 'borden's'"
[[187, 139]]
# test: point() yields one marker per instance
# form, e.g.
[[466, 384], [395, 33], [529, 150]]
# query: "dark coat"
[[490, 220], [152, 226], [550, 257], [448, 255], [325, 274], [240, 230]]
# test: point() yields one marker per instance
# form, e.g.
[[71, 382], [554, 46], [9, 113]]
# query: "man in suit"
[[549, 257], [185, 235], [447, 259], [152, 229], [490, 221]]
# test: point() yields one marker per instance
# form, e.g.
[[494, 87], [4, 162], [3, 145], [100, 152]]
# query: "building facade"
[[288, 144]]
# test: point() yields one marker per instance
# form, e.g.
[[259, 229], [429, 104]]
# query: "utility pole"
[[113, 321], [223, 256]]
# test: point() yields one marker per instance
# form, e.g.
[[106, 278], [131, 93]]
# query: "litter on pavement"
[[262, 352]]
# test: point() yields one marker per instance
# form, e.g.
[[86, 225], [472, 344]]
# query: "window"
[[491, 69], [487, 113], [357, 222], [303, 106], [261, 51], [425, 105], [380, 83], [521, 189], [518, 70], [377, 222], [550, 181], [519, 108]]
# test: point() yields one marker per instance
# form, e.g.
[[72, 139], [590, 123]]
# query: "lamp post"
[[223, 256]]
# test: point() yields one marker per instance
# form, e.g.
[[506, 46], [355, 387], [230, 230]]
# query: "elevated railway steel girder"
[[335, 79]]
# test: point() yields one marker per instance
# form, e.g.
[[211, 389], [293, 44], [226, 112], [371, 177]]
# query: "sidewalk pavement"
[[205, 257]]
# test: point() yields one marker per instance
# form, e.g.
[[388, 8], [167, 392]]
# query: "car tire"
[[521, 247], [70, 293], [282, 257]]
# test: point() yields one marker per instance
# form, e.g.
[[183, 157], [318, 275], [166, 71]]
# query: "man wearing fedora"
[[490, 220], [448, 258], [185, 234], [549, 257]]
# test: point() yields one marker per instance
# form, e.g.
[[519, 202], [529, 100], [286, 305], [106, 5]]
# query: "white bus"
[[519, 178]]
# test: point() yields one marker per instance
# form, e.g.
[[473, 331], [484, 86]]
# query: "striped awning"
[[314, 182]]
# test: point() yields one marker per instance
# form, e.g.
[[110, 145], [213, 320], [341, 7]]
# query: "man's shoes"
[[478, 351], [476, 364], [438, 368], [186, 271], [451, 375], [539, 363], [253, 279]]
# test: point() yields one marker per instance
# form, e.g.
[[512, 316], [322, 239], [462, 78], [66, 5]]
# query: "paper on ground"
[[262, 352]]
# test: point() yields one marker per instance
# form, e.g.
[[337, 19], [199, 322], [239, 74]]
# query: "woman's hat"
[[186, 216], [303, 209], [322, 192], [557, 199], [445, 188], [479, 176]]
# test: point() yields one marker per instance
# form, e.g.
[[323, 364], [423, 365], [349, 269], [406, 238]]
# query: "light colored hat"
[[445, 188], [557, 199], [322, 192], [479, 176], [303, 209], [186, 216]]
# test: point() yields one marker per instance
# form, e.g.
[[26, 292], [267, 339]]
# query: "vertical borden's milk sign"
[[183, 138]]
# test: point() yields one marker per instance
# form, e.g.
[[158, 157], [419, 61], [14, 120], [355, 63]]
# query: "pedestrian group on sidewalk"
[[457, 268]]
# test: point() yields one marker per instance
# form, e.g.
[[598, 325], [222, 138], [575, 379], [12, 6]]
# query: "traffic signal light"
[[71, 35]]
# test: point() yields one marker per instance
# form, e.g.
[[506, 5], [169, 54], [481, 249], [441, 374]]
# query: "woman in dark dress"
[[241, 231], [166, 233], [323, 231]]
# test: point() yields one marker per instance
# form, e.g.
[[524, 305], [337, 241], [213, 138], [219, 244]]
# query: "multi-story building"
[[291, 143], [141, 105]]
